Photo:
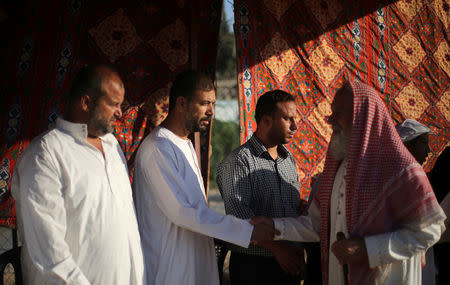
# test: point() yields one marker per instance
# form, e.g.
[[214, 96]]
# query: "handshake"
[[263, 230]]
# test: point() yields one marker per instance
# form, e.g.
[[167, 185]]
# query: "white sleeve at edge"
[[302, 228]]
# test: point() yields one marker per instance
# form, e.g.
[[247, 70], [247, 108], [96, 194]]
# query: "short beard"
[[98, 125], [194, 126], [339, 143]]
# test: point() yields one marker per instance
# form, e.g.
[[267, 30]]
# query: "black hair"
[[186, 83], [267, 103]]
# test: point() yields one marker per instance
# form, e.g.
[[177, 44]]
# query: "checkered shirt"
[[252, 183]]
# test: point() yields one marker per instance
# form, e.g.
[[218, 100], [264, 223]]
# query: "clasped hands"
[[348, 251], [263, 230], [289, 257]]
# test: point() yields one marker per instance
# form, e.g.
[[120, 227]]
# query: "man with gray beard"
[[73, 195], [339, 142], [375, 212]]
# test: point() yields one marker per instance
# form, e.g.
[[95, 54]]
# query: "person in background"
[[73, 195], [176, 225], [375, 211], [414, 136]]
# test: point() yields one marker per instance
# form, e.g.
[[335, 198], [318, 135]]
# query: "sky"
[[229, 15]]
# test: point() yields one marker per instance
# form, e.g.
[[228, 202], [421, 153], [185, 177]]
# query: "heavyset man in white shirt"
[[175, 222], [73, 195]]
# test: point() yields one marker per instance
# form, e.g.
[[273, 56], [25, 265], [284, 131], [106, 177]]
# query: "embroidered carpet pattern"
[[44, 43], [308, 48]]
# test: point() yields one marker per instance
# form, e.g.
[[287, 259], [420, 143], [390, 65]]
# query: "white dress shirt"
[[175, 222], [75, 211], [337, 224], [400, 249]]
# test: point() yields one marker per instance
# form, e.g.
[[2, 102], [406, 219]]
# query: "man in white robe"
[[375, 212], [73, 194], [176, 225]]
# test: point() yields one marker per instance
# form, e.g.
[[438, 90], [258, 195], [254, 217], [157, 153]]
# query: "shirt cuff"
[[377, 249], [245, 234], [279, 225]]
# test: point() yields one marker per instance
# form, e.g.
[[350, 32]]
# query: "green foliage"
[[226, 52], [224, 138]]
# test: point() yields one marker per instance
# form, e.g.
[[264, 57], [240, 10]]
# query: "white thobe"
[[175, 222], [401, 249], [75, 211]]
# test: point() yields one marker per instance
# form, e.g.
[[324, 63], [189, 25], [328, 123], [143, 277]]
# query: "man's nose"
[[210, 110], [330, 119], [118, 113], [293, 127]]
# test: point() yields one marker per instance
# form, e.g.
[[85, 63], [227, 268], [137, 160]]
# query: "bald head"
[[91, 80], [95, 99]]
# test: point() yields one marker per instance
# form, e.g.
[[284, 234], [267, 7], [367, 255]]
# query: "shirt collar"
[[260, 148], [78, 131]]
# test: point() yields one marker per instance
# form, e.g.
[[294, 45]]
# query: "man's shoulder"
[[155, 141], [158, 139], [239, 155], [45, 141], [43, 145]]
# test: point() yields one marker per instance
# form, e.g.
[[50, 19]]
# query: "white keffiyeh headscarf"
[[411, 129]]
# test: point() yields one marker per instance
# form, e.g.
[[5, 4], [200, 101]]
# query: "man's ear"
[[86, 102], [266, 120], [181, 102]]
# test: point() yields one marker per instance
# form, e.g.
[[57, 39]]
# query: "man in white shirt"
[[375, 211], [73, 195], [176, 225]]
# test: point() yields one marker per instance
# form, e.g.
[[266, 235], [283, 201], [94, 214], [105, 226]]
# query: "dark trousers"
[[248, 269], [314, 272], [442, 260]]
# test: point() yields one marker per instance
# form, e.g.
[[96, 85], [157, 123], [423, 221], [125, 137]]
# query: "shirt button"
[[342, 194], [339, 212]]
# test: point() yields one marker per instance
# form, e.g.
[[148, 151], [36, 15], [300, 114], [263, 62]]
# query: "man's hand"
[[290, 258], [262, 220], [262, 232], [263, 229], [349, 251]]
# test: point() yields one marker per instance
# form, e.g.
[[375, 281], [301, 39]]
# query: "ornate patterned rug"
[[43, 44], [309, 47]]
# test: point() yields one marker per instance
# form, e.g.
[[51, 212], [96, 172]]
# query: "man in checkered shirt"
[[260, 178]]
